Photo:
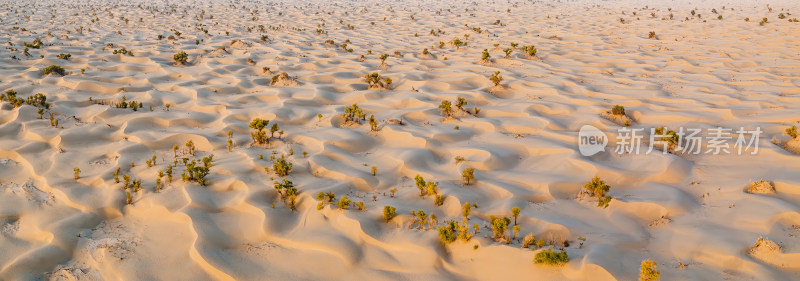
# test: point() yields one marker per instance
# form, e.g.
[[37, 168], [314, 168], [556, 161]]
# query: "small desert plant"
[[383, 58], [11, 96], [499, 226], [669, 136], [353, 114], [392, 192], [343, 203], [275, 128], [64, 56], [389, 212], [438, 200], [373, 123], [38, 100], [37, 43], [485, 55], [282, 167], [259, 136], [781, 16], [446, 109], [507, 51], [652, 35], [54, 69], [618, 110], [550, 257], [763, 21], [530, 50], [515, 212], [597, 188], [128, 198], [496, 78], [649, 271], [190, 145], [181, 58], [458, 43], [448, 232], [420, 185], [792, 131], [77, 172], [468, 175], [375, 82], [374, 170]]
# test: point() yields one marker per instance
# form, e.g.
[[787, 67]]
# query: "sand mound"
[[764, 249], [761, 186], [283, 80]]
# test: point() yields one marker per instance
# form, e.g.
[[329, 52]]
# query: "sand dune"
[[673, 64]]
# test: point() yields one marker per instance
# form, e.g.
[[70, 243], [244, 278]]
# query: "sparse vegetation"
[[618, 110], [446, 109], [181, 58], [353, 114], [375, 81], [468, 175], [550, 257], [496, 78], [259, 136], [389, 212], [54, 69], [649, 271], [597, 188], [792, 132], [282, 167]]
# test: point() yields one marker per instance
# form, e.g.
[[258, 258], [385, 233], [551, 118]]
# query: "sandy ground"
[[699, 217]]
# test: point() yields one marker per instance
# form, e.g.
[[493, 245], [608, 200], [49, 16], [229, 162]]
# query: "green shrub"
[[550, 257], [343, 203], [353, 114], [37, 43], [38, 100], [597, 188], [530, 50], [618, 110], [515, 212], [54, 69], [181, 58], [282, 167], [669, 136], [468, 175], [649, 271], [496, 78], [499, 226], [446, 109], [11, 96], [439, 200], [389, 212], [259, 136], [64, 56], [792, 131], [375, 81], [485, 55], [448, 232], [420, 185]]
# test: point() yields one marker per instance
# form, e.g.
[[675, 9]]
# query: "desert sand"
[[698, 217]]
